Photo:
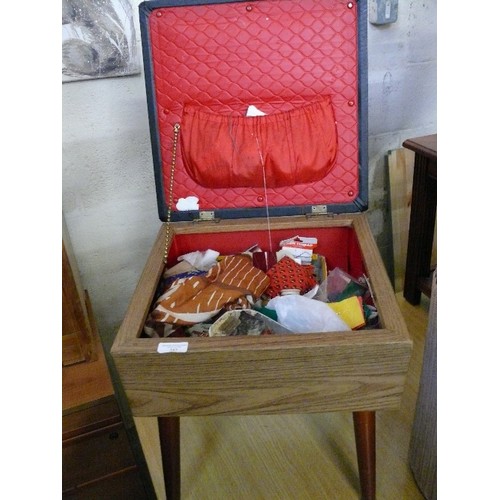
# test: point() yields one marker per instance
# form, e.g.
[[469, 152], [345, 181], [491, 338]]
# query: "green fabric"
[[270, 313]]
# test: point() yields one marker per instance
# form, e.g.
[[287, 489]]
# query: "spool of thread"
[[290, 291]]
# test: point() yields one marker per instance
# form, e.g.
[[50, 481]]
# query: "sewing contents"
[[258, 292]]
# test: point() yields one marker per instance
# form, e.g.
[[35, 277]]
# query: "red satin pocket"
[[277, 150]]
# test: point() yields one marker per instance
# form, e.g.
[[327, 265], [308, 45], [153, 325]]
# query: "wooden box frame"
[[355, 371]]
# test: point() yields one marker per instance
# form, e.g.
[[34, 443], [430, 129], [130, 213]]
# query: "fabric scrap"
[[288, 274], [232, 283]]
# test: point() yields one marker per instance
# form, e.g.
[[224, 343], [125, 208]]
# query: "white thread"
[[265, 194]]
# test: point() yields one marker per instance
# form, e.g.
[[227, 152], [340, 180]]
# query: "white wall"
[[401, 95], [108, 193]]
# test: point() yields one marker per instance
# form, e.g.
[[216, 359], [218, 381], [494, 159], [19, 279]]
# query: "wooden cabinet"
[[97, 459], [96, 456], [77, 339], [418, 275]]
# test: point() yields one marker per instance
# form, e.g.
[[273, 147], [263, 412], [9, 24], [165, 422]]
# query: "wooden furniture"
[[359, 372], [97, 460], [423, 444], [77, 338], [422, 217], [400, 162], [303, 456]]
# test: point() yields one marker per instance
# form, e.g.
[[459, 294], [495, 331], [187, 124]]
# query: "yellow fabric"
[[351, 311]]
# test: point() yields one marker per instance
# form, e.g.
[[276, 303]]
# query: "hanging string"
[[265, 193]]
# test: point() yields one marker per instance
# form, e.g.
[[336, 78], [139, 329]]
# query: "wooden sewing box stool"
[[279, 56]]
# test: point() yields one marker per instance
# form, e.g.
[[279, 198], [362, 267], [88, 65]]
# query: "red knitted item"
[[288, 274]]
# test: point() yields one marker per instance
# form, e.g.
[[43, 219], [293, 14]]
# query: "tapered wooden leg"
[[364, 431], [170, 444]]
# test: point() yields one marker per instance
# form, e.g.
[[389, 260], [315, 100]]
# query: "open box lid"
[[301, 63]]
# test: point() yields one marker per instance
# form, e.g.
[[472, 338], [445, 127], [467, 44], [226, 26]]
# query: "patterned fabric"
[[288, 274], [229, 284]]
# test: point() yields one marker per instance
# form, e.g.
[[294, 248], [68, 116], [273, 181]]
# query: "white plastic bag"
[[304, 315]]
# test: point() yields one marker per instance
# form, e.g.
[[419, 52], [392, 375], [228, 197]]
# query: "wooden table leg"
[[422, 223], [169, 428], [364, 431]]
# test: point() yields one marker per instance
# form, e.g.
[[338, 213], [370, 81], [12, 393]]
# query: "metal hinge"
[[205, 215], [319, 210]]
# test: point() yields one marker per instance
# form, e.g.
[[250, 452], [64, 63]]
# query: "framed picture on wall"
[[98, 39]]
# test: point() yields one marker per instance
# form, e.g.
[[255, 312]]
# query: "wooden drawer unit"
[[97, 459], [117, 487], [97, 449], [88, 418]]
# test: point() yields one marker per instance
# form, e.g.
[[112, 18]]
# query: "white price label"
[[165, 347]]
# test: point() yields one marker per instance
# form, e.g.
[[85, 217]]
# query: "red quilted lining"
[[275, 54]]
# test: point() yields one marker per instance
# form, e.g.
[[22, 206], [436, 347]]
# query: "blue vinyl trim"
[[244, 213], [362, 200], [145, 9], [157, 4]]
